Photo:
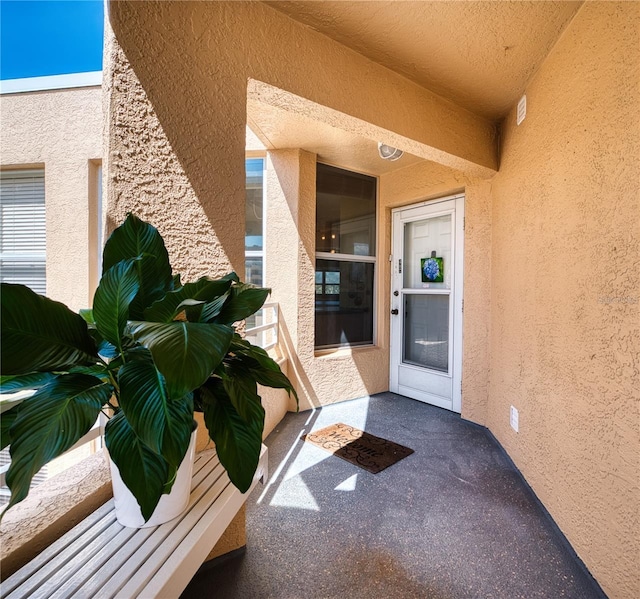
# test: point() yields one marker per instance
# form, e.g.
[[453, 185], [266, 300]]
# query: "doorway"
[[426, 302]]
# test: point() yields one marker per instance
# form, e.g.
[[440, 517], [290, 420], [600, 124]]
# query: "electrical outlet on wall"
[[513, 419]]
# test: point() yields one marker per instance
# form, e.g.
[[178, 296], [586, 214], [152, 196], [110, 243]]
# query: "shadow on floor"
[[453, 520]]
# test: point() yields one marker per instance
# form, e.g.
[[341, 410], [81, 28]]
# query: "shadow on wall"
[[170, 161], [296, 373]]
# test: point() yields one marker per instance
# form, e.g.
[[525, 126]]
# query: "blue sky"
[[50, 37]]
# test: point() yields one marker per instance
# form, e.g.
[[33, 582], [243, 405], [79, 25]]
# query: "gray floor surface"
[[453, 520]]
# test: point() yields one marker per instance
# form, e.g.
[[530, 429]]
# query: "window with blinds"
[[23, 228], [22, 248]]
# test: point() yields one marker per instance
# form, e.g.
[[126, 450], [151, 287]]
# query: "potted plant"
[[150, 353]]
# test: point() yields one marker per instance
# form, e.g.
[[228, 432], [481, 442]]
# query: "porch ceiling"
[[276, 128], [480, 55]]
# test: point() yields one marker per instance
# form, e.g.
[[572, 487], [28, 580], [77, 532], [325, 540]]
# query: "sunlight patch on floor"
[[349, 484], [290, 489], [294, 493]]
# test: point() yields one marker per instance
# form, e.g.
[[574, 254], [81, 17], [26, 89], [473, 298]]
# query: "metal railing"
[[263, 332]]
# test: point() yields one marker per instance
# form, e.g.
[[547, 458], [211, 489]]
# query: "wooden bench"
[[100, 558]]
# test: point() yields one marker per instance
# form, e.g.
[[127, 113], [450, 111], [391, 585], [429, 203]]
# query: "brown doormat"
[[362, 449]]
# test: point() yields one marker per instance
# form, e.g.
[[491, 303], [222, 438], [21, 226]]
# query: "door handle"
[[394, 311]]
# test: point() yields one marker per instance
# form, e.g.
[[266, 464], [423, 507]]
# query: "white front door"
[[426, 302]]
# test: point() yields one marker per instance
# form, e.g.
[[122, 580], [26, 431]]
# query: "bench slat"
[[172, 578], [138, 574], [101, 559], [81, 563], [107, 560], [64, 549], [127, 564]]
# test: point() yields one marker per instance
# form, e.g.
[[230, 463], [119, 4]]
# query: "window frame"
[[339, 257]]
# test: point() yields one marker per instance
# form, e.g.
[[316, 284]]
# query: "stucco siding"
[[566, 293], [60, 131], [551, 242]]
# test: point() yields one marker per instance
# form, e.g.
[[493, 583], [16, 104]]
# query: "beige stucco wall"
[[176, 133], [60, 130], [551, 262], [176, 129], [565, 298]]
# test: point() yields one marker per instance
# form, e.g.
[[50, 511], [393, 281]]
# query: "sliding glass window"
[[345, 257]]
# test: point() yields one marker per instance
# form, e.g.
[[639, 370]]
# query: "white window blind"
[[23, 228]]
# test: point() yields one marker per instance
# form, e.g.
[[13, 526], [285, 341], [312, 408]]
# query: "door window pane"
[[426, 331], [345, 212], [344, 308], [424, 240]]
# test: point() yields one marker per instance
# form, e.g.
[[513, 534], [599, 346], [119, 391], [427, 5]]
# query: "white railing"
[[263, 333]]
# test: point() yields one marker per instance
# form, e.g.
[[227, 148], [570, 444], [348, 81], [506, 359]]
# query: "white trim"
[[35, 84], [345, 257]]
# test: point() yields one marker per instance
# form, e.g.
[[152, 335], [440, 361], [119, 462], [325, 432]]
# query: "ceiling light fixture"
[[389, 153]]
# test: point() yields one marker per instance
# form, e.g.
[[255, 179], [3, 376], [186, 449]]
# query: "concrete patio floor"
[[453, 520]]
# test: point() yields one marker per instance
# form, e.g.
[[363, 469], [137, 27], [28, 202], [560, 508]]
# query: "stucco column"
[[289, 254], [185, 176]]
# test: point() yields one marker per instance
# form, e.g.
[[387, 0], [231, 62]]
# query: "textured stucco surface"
[[566, 294], [333, 144], [167, 174], [428, 181], [177, 128], [478, 54], [60, 130], [233, 538], [551, 289], [176, 133], [50, 510]]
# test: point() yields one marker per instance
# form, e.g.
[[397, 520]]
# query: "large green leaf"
[[204, 290], [137, 239], [7, 420], [118, 286], [49, 423], [185, 352], [163, 424], [242, 390], [238, 441], [264, 369], [243, 301], [39, 334], [208, 312], [144, 472], [100, 371], [22, 382]]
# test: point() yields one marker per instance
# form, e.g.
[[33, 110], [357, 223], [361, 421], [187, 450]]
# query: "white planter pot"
[[170, 506]]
